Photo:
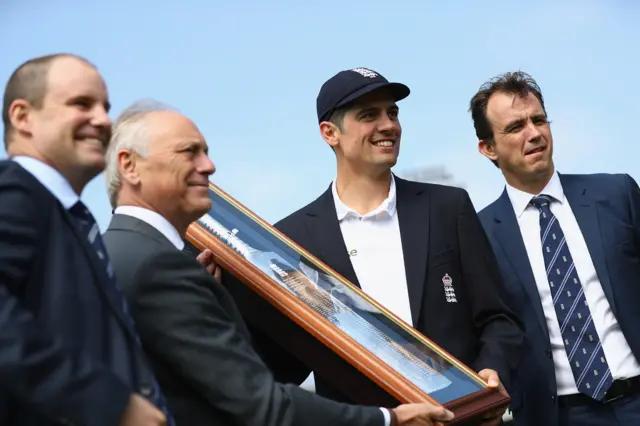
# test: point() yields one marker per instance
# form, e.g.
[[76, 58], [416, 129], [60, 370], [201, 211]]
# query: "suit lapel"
[[509, 237], [413, 218], [99, 271], [585, 209], [324, 229]]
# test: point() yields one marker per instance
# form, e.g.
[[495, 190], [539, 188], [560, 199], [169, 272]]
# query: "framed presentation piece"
[[331, 325]]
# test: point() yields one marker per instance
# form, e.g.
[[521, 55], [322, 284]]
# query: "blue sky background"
[[248, 73]]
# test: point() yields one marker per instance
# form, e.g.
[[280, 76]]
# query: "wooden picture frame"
[[371, 355]]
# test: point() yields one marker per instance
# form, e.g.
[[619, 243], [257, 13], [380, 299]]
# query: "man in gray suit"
[[157, 173]]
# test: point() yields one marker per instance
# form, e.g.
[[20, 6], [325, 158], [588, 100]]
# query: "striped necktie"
[[581, 341]]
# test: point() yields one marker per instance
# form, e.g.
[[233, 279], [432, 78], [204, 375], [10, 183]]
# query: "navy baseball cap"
[[349, 85]]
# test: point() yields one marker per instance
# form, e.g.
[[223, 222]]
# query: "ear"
[[330, 133], [20, 116], [487, 148], [128, 166]]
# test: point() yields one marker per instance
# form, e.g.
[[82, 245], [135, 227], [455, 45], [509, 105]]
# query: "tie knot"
[[541, 201], [80, 211]]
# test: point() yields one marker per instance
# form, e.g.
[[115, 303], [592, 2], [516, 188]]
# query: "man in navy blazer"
[[68, 352], [569, 251]]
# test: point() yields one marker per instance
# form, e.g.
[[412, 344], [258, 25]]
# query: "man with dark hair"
[[416, 248], [514, 83], [68, 352], [569, 251]]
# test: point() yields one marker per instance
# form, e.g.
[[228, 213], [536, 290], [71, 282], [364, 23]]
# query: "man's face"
[[371, 132], [174, 177], [523, 145], [72, 129]]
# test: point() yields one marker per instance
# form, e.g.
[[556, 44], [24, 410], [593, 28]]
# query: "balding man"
[[68, 352], [158, 174]]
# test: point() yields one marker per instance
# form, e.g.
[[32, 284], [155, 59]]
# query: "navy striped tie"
[[89, 228], [581, 341]]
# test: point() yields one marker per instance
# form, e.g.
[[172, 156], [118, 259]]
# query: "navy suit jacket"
[[67, 355], [441, 235], [607, 209]]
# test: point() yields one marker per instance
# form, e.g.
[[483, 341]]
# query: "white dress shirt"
[[375, 250], [621, 361], [155, 220], [51, 179]]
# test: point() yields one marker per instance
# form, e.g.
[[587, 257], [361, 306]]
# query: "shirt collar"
[[50, 178], [520, 200], [154, 219], [386, 209]]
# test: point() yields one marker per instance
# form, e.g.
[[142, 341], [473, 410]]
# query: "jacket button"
[[146, 390], [553, 399], [549, 355]]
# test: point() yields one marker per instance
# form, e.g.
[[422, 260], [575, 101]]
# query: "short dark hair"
[[337, 117], [517, 83], [29, 82]]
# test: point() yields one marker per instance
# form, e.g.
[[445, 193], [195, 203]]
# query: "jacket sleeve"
[[284, 366], [35, 366], [499, 330], [189, 322]]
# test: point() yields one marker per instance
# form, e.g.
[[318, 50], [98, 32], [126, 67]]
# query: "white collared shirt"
[[375, 250], [50, 178], [155, 220], [619, 356]]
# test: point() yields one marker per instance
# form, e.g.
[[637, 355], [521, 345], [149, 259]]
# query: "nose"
[[101, 117], [532, 132], [205, 165], [388, 124]]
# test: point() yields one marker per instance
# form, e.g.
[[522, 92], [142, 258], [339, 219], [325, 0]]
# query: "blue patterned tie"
[[583, 346], [89, 227]]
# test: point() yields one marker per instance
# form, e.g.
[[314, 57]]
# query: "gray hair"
[[130, 131]]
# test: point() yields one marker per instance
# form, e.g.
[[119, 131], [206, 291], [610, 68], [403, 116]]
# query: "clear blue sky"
[[248, 72]]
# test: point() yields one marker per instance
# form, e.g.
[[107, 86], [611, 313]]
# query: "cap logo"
[[365, 72]]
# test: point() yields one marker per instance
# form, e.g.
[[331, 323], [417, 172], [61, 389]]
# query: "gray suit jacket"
[[199, 346]]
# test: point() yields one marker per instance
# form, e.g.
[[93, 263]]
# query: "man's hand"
[[206, 259], [141, 412], [421, 415], [493, 418]]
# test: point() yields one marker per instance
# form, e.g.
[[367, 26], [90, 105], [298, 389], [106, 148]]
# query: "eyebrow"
[[510, 125], [195, 144], [90, 99], [365, 110]]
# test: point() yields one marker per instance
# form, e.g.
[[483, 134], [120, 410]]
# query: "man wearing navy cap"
[[417, 248]]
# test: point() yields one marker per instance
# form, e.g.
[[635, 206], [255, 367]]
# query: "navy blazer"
[[67, 355], [607, 209], [441, 235]]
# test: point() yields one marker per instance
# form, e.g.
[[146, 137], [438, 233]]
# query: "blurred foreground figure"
[[68, 352], [569, 250], [158, 175]]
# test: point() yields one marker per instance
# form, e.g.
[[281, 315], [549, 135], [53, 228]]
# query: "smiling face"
[[173, 178], [369, 138], [71, 129], [522, 143]]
